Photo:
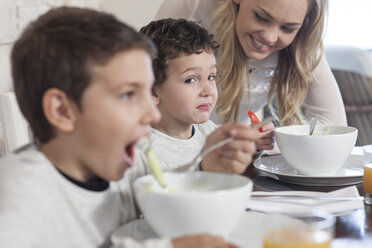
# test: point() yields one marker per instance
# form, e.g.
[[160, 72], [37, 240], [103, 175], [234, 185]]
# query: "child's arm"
[[235, 156]]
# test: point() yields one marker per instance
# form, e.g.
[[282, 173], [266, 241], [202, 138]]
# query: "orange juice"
[[367, 178], [297, 238]]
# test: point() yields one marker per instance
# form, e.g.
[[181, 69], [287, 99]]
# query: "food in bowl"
[[322, 153], [197, 202]]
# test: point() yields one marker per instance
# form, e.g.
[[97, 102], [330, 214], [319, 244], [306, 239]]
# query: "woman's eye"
[[260, 18], [211, 77], [190, 80], [288, 30], [127, 95]]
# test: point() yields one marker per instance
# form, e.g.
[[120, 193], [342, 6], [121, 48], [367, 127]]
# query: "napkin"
[[307, 205]]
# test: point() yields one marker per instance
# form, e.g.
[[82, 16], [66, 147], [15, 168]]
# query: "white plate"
[[277, 167]]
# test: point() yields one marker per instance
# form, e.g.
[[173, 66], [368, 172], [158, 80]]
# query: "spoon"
[[155, 167], [312, 125], [194, 164]]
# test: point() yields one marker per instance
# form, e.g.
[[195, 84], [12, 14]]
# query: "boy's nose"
[[207, 88], [155, 113], [152, 115]]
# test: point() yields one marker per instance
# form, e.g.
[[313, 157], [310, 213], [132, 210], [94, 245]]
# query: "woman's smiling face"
[[266, 26]]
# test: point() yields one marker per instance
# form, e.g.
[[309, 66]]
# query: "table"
[[352, 231]]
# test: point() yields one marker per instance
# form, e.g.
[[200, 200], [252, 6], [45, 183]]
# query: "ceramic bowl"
[[322, 153], [194, 202], [367, 153]]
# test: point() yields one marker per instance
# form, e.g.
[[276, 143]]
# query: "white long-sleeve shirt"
[[323, 99], [41, 208]]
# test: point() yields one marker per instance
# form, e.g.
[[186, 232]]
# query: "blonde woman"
[[270, 52]]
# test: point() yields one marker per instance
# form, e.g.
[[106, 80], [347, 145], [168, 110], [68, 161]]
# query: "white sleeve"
[[324, 99], [14, 231], [20, 221], [151, 243]]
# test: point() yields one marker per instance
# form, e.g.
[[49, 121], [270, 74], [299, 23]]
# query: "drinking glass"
[[367, 175], [315, 230]]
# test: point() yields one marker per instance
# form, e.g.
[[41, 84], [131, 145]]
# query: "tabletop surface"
[[353, 230]]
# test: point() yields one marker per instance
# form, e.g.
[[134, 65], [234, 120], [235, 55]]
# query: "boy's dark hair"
[[174, 37], [58, 50]]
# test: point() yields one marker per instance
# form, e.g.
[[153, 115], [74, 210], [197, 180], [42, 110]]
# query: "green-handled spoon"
[[155, 167]]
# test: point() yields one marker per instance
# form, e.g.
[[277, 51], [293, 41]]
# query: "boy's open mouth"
[[129, 154]]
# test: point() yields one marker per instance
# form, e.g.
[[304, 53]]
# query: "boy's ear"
[[155, 95], [58, 110]]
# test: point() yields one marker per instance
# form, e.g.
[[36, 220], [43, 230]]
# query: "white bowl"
[[322, 153], [198, 202], [367, 153]]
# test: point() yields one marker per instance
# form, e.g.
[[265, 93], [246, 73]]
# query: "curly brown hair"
[[174, 37]]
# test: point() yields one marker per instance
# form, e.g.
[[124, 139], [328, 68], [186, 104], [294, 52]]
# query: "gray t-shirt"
[[171, 152], [39, 207]]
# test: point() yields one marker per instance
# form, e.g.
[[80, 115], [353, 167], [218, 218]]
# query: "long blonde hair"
[[295, 65]]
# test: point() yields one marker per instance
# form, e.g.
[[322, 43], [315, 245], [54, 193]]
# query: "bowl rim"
[[352, 130], [248, 183]]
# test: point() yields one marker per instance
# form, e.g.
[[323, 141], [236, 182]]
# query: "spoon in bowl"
[[312, 125]]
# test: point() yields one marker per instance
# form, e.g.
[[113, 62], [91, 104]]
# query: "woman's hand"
[[234, 157], [267, 139], [201, 241]]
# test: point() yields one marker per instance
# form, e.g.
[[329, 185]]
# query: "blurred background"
[[348, 41]]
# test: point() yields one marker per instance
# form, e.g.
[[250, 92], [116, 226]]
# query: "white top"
[[171, 152], [39, 207], [323, 99]]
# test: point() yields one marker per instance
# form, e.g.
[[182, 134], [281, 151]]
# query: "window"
[[349, 23]]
